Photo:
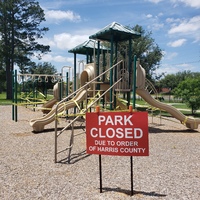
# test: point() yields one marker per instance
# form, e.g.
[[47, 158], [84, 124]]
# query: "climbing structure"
[[107, 77]]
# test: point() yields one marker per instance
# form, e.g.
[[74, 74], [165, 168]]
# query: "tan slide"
[[46, 108], [38, 124], [49, 104], [190, 122]]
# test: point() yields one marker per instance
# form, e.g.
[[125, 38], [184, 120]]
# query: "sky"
[[175, 27]]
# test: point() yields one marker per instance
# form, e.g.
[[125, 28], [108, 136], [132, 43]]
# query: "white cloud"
[[68, 41], [169, 69], [191, 3], [157, 26], [187, 27], [154, 22], [160, 14], [58, 15], [149, 16], [173, 20], [155, 1], [166, 69], [46, 41], [170, 55], [59, 59], [177, 43], [173, 69]]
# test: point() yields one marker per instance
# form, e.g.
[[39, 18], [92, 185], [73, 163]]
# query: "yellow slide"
[[38, 124], [191, 123]]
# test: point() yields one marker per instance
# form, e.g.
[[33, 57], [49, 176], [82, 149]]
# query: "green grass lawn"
[[176, 105], [3, 100], [140, 104]]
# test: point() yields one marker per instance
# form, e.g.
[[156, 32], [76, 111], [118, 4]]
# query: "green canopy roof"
[[87, 47], [118, 31]]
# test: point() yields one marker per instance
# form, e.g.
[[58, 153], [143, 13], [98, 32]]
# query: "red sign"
[[117, 133]]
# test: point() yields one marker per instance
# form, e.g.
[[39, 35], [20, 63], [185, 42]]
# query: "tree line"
[[184, 85]]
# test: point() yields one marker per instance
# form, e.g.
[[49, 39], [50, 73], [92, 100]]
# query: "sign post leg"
[[100, 174], [131, 159]]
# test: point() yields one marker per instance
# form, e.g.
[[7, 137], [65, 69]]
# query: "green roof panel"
[[87, 47], [118, 31]]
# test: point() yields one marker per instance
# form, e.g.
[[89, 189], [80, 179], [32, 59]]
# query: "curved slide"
[[191, 123], [48, 105], [38, 124]]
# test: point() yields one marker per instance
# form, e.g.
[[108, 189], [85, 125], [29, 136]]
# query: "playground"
[[46, 148]]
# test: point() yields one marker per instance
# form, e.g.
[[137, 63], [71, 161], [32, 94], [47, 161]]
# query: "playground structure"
[[88, 91], [108, 80], [106, 83]]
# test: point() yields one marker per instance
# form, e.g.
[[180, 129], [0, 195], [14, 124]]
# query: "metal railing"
[[87, 88]]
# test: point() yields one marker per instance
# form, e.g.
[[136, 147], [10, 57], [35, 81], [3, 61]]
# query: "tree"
[[172, 80], [148, 52], [169, 81], [19, 30], [43, 82], [189, 91], [42, 68]]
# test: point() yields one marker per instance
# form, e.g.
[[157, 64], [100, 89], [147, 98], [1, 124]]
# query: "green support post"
[[34, 92], [129, 70], [67, 88], [74, 71], [67, 83], [104, 65], [74, 78], [111, 73], [134, 82], [13, 99], [115, 73], [87, 58], [98, 63], [15, 85]]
